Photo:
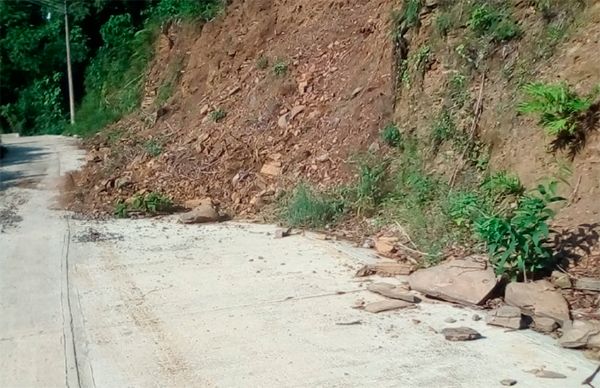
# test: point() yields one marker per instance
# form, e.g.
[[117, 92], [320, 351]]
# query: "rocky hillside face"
[[275, 93]]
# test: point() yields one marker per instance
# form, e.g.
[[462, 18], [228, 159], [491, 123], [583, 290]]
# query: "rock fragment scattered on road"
[[283, 232], [391, 291], [460, 334], [508, 382], [467, 281], [386, 305]]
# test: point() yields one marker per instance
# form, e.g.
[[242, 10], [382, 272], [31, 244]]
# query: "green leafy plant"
[[369, 190], [391, 135], [557, 105], [516, 243], [311, 209], [280, 68], [218, 115], [443, 128], [463, 207], [121, 209], [489, 20], [153, 147], [502, 183], [152, 203]]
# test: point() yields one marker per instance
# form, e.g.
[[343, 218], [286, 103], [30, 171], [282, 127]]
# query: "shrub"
[[168, 10], [492, 21], [559, 107], [463, 207], [311, 209], [280, 68], [369, 190], [391, 135], [411, 11], [443, 23], [443, 128], [502, 183], [516, 243], [218, 115]]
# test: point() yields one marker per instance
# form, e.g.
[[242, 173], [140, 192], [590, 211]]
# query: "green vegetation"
[[557, 105], [391, 135], [167, 87], [218, 115], [414, 66], [443, 128], [151, 203], [411, 11], [153, 148], [516, 242], [111, 46], [311, 209], [280, 68], [488, 19]]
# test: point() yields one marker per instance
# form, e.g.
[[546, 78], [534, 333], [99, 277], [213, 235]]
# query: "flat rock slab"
[[386, 305], [467, 281], [581, 334], [391, 291], [460, 334], [506, 316], [538, 299]]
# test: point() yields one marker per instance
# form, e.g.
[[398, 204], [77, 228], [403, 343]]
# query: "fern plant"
[[557, 105]]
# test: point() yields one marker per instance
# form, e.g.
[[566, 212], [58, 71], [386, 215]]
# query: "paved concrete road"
[[154, 303]]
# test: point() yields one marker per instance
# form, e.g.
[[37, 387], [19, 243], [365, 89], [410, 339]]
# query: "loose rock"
[[460, 334], [476, 317], [386, 245], [548, 374], [506, 316], [281, 233], [206, 212], [386, 305], [538, 299], [468, 281], [391, 291], [450, 320], [581, 334], [508, 382]]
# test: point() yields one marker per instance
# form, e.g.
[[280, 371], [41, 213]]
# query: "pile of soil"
[[278, 129]]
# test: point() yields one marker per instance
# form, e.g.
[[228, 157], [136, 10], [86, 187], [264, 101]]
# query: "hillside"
[[388, 113]]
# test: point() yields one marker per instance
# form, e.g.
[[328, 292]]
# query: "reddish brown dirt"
[[338, 58]]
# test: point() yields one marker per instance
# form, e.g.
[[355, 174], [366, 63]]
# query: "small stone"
[[356, 91], [272, 168], [386, 305], [281, 233], [450, 320], [548, 374], [283, 121], [545, 325], [393, 292], [460, 334], [296, 111], [476, 317], [508, 382]]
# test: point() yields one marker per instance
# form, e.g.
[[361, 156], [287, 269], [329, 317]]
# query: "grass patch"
[[167, 87], [262, 62], [153, 147], [309, 208]]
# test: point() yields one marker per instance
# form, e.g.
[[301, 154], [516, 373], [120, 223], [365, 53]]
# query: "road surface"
[[152, 303]]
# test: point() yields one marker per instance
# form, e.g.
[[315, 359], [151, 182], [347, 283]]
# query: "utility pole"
[[69, 70]]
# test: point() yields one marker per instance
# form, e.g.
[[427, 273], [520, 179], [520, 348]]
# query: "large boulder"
[[467, 281], [538, 300]]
